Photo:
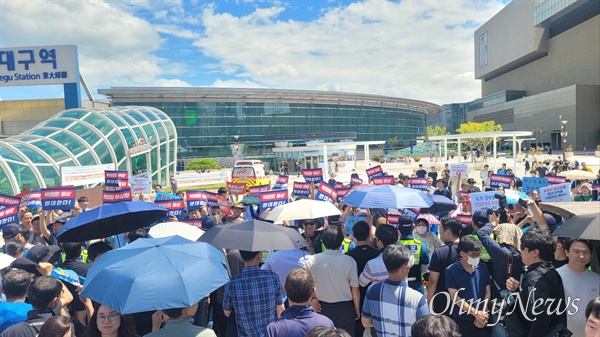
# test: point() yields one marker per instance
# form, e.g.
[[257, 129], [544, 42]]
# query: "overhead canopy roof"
[[499, 134]]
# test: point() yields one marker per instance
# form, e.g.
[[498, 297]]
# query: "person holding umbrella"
[[178, 323]]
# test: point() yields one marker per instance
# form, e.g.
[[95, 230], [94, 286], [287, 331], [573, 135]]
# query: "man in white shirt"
[[580, 283]]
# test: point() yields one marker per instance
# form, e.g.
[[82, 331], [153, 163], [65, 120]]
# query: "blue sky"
[[412, 49]]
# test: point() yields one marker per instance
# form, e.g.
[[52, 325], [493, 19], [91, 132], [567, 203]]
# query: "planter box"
[[597, 154], [568, 154]]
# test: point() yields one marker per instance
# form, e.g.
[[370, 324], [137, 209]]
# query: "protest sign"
[[166, 196], [412, 212], [224, 205], [481, 201], [8, 215], [384, 180], [338, 185], [175, 207], [351, 221], [198, 179], [24, 195], [145, 175], [497, 180], [211, 199], [257, 189], [272, 199], [312, 175], [68, 276], [193, 222], [392, 219], [418, 183], [465, 219], [111, 178], [463, 194], [342, 192], [301, 189], [35, 200], [555, 180], [281, 183], [55, 198], [355, 180], [596, 187], [140, 185], [375, 171], [531, 184], [236, 188], [111, 197], [195, 199], [123, 183], [9, 200], [326, 192], [556, 193], [459, 170]]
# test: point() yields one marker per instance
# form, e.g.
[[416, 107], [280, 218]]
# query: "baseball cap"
[[405, 224], [10, 231], [471, 181], [480, 218], [61, 219], [208, 222], [362, 212]]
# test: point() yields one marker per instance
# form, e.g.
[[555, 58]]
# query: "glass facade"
[[209, 120], [82, 137]]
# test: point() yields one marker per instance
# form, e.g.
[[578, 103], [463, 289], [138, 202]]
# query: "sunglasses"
[[309, 223]]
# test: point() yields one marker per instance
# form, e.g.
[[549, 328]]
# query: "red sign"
[[111, 197], [374, 171], [193, 222], [465, 219], [236, 188], [258, 189], [356, 181], [195, 199], [224, 205], [384, 180], [8, 200], [392, 219], [326, 193], [555, 180]]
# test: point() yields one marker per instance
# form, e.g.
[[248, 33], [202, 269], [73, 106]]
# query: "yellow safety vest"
[[415, 249], [343, 248], [485, 257], [266, 254], [83, 257]]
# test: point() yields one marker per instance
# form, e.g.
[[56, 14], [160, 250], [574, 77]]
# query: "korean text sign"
[[281, 183], [257, 189], [531, 184], [42, 65], [9, 215], [375, 171], [355, 180], [418, 183], [384, 180], [350, 222], [326, 192], [224, 205], [236, 188], [55, 198], [301, 189], [312, 175], [272, 199], [342, 192], [9, 200], [175, 207], [459, 170], [555, 180], [481, 201], [412, 212], [195, 199], [497, 180], [35, 199], [112, 178], [556, 193], [111, 197]]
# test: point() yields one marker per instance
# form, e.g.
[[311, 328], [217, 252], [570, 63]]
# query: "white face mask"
[[421, 230], [472, 261]]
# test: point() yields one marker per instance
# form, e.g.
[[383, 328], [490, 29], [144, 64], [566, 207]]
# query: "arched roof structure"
[[131, 138]]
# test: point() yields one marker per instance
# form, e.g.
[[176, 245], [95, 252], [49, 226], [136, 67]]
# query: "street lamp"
[[563, 131]]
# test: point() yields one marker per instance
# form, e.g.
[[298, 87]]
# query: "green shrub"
[[203, 165]]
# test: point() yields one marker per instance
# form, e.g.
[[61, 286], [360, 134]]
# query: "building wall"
[[573, 58]]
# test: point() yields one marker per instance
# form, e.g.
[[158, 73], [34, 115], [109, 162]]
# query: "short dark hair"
[[535, 238], [14, 247], [82, 199], [42, 291], [72, 249], [247, 256], [221, 190], [323, 331], [435, 326], [139, 233], [568, 242], [453, 225], [469, 244], [299, 285], [593, 307], [173, 312], [332, 237], [387, 234], [57, 326], [395, 256], [15, 283], [96, 249], [361, 230]]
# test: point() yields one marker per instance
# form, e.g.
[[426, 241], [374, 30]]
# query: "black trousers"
[[341, 314]]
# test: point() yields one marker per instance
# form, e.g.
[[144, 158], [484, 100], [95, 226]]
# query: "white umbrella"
[[303, 209], [577, 175], [5, 260], [176, 228]]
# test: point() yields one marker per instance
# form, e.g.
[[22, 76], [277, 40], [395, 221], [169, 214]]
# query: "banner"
[[9, 215], [145, 175], [272, 199], [281, 183], [350, 222], [392, 219], [111, 178], [111, 197], [412, 212], [556, 193], [193, 222], [555, 180], [465, 219], [9, 200], [58, 198], [175, 207], [35, 200], [481, 201], [531, 184], [198, 179], [356, 181], [375, 171], [211, 199], [236, 188], [596, 187], [257, 189], [123, 183], [419, 183], [326, 192], [459, 170], [384, 180], [497, 180], [224, 205], [301, 189], [312, 175], [84, 175], [195, 199], [342, 192], [166, 196], [24, 195], [140, 185]]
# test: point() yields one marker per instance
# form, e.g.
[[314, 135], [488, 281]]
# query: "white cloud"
[[236, 84], [176, 31], [400, 49]]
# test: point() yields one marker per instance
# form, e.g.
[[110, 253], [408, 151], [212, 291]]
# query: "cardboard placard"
[[326, 192], [56, 198]]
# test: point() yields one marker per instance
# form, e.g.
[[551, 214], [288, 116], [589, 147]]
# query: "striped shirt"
[[374, 272], [393, 307]]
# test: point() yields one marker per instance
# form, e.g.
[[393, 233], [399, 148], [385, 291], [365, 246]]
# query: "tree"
[[435, 131], [476, 143], [393, 143], [203, 165]]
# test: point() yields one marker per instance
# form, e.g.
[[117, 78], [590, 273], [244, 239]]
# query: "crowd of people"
[[501, 274]]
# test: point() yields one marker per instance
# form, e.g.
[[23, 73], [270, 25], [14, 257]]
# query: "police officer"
[[418, 251]]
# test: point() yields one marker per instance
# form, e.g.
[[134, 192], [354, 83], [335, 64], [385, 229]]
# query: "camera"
[[502, 203], [523, 202]]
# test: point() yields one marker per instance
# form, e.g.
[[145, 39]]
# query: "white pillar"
[[366, 156], [445, 148], [495, 159], [325, 164], [458, 151], [514, 143]]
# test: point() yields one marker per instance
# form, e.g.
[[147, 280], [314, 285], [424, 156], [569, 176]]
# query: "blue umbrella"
[[153, 274], [387, 196], [108, 220], [512, 196]]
